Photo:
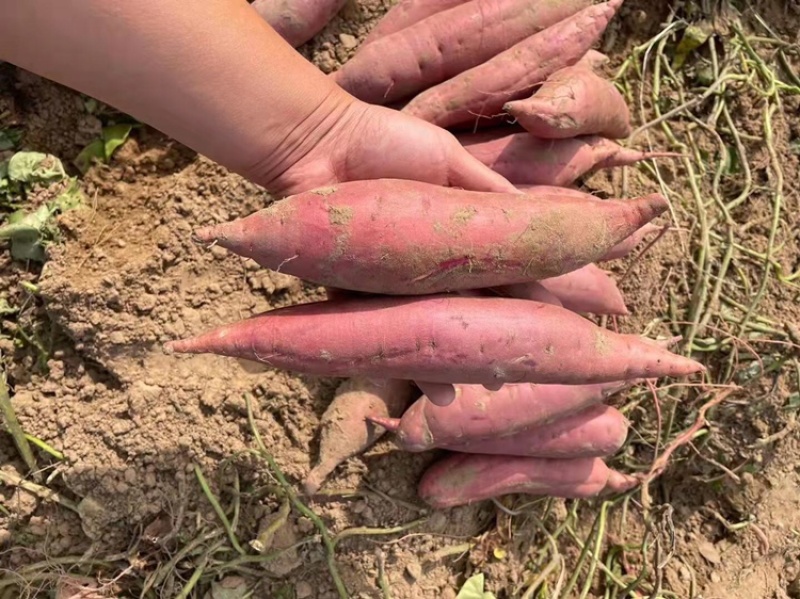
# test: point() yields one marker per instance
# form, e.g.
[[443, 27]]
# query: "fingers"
[[437, 393], [468, 172]]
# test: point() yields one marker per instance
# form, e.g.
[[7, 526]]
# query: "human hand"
[[364, 141]]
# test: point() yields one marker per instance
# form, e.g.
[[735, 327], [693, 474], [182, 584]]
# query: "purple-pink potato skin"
[[478, 414], [574, 101], [297, 21], [408, 238], [445, 44], [406, 13], [440, 339], [483, 90], [526, 160], [461, 479], [596, 431]]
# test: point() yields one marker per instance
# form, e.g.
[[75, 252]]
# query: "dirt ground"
[[124, 512]]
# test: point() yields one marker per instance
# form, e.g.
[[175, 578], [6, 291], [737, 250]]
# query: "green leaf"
[[9, 138], [30, 232], [94, 151], [473, 589], [694, 36], [113, 137], [5, 307], [35, 167], [102, 149]]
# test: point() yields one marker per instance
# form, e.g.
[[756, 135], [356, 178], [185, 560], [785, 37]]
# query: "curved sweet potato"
[[626, 246], [526, 160], [595, 432], [346, 429], [440, 339], [445, 44], [477, 414], [410, 238], [297, 21], [572, 102], [513, 74], [405, 13], [462, 478]]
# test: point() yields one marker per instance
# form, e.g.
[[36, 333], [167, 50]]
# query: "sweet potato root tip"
[[619, 483], [390, 424]]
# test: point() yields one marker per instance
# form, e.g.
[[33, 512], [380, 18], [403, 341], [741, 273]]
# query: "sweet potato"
[[572, 102], [626, 246], [297, 21], [526, 160], [440, 339], [445, 44], [587, 289], [405, 13], [462, 478], [593, 60], [595, 432], [411, 238], [513, 74], [346, 430], [477, 414]]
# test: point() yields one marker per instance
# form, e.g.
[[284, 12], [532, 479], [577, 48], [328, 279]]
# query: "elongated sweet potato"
[[444, 45], [410, 238], [440, 339], [405, 13], [297, 21], [477, 414], [527, 160], [346, 429], [572, 102], [462, 478], [595, 432], [626, 246], [513, 74], [587, 289]]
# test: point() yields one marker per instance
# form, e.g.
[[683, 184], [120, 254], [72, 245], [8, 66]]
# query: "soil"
[[136, 425]]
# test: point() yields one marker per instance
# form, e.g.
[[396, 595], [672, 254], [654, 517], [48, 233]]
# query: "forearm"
[[212, 75]]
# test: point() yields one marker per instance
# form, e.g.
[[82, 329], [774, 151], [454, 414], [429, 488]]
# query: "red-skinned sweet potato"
[[513, 74], [297, 21], [572, 102], [593, 60], [526, 160], [405, 13], [462, 478], [346, 429], [586, 290], [411, 238], [478, 414], [626, 246], [445, 44], [440, 339], [595, 432]]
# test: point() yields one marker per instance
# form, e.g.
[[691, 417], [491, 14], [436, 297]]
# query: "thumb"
[[468, 172]]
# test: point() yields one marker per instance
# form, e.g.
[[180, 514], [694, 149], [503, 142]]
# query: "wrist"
[[305, 145]]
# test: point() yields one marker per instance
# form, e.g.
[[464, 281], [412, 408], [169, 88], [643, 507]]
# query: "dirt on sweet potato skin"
[[134, 424]]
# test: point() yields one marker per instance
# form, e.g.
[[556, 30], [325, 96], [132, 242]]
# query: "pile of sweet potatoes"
[[459, 319]]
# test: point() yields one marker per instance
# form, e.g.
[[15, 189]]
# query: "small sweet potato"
[[410, 238], [626, 246], [593, 60], [297, 21], [440, 339], [572, 102], [527, 160], [483, 90], [405, 13], [477, 414], [445, 44], [595, 432], [346, 429], [586, 290], [465, 478]]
